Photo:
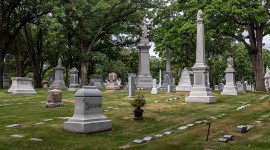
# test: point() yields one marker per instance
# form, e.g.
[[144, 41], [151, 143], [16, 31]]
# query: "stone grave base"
[[58, 104], [203, 99], [21, 85], [73, 89], [229, 90], [183, 88], [88, 127], [144, 82], [112, 86]]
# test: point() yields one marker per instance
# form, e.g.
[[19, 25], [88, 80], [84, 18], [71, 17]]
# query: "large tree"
[[235, 18], [101, 25], [14, 14]]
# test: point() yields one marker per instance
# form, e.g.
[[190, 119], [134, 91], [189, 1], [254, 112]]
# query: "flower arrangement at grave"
[[138, 102]]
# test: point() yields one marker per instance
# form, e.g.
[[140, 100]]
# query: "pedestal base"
[[144, 82], [202, 99], [58, 85], [154, 91], [88, 127], [58, 104], [184, 88], [73, 89], [230, 90]]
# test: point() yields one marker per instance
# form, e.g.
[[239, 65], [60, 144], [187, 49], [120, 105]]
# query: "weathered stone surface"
[[112, 85], [13, 125], [131, 85], [183, 127], [17, 136], [58, 82], [148, 138], [74, 80], [138, 141], [249, 127], [88, 115], [159, 135], [21, 85], [230, 88], [54, 98], [241, 129], [5, 82], [168, 76], [224, 140], [96, 81], [229, 137], [200, 91], [190, 125], [35, 139], [154, 89], [144, 79], [186, 81], [168, 132]]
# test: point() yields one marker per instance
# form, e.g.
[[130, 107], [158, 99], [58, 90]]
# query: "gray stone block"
[[229, 137], [138, 141], [148, 138], [224, 140], [241, 129]]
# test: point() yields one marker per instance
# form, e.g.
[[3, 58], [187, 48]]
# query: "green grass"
[[160, 115]]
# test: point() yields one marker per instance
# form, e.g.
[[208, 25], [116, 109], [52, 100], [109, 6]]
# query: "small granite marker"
[[168, 132], [13, 125], [241, 129], [17, 136], [182, 127], [35, 139], [224, 140], [138, 141], [148, 138], [159, 135], [229, 137]]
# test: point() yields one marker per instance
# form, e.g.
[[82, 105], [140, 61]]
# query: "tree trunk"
[[37, 77], [17, 49], [1, 70], [84, 69]]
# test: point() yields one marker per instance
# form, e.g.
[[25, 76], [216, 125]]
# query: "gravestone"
[[144, 79], [21, 85], [88, 115], [200, 91], [170, 88], [73, 80], [112, 85], [154, 89], [221, 86], [96, 81], [216, 87], [168, 76], [45, 84], [241, 88], [5, 82], [131, 85], [249, 87], [58, 82], [186, 81], [230, 88], [160, 78], [54, 98], [267, 79]]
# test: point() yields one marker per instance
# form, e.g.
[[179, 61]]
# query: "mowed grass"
[[160, 115]]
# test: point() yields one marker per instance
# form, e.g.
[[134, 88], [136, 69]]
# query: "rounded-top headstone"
[[88, 91], [74, 70]]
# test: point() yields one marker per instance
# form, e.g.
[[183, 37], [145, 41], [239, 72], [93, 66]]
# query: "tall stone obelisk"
[[200, 91], [168, 77], [144, 79]]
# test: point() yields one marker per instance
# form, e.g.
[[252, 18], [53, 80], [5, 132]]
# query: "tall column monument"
[[144, 79], [168, 76], [200, 91]]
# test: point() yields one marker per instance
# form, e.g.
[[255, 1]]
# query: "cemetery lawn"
[[160, 115]]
